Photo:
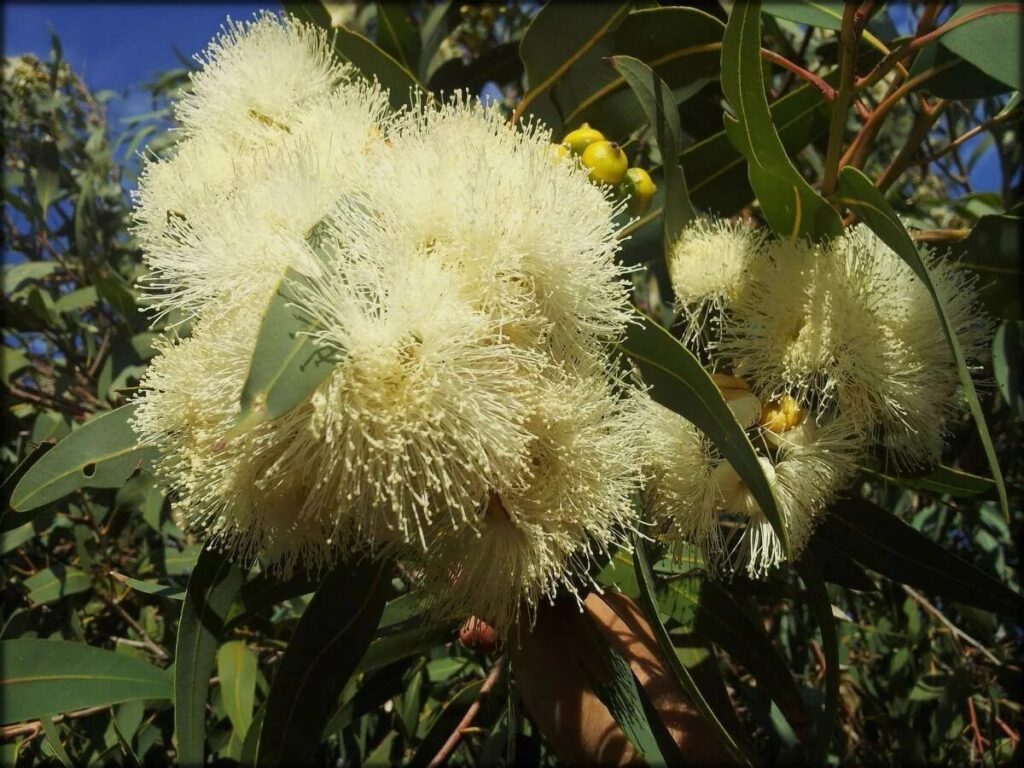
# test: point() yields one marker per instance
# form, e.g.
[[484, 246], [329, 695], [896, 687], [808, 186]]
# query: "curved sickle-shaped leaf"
[[645, 579], [941, 480], [330, 639], [791, 206], [856, 191], [827, 15], [102, 453], [46, 677], [663, 115], [985, 35], [680, 383], [879, 540], [211, 590], [559, 36], [821, 607], [286, 366], [722, 621]]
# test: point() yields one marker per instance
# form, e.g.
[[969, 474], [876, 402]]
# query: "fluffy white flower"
[[534, 236], [850, 328], [426, 410], [209, 213], [247, 494], [541, 533], [257, 77], [709, 264], [702, 500]]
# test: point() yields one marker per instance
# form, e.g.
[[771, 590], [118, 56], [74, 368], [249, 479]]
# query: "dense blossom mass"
[[462, 281], [460, 278]]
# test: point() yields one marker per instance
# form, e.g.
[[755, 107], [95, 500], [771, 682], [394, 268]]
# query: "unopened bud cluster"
[[606, 163]]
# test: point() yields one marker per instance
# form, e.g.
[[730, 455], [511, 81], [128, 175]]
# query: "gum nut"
[[606, 162], [581, 138]]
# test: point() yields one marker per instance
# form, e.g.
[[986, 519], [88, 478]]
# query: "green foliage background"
[[897, 638]]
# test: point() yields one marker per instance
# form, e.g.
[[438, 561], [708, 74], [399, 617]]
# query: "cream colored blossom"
[[257, 77], [210, 213], [541, 533], [535, 239], [701, 499], [849, 328], [246, 494], [426, 410], [709, 264]]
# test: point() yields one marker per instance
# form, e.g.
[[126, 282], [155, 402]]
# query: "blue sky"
[[117, 46]]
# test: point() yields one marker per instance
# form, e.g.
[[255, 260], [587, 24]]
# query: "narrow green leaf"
[[211, 590], [324, 652], [402, 85], [52, 734], [722, 621], [57, 581], [402, 645], [1008, 364], [791, 206], [236, 668], [150, 587], [680, 383], [433, 31], [991, 42], [663, 114], [396, 36], [286, 365], [814, 14], [881, 541], [821, 607], [623, 697], [558, 36], [941, 480], [46, 174], [856, 191], [47, 677], [645, 579], [102, 453]]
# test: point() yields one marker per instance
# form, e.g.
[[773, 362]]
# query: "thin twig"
[[147, 641], [926, 118], [31, 727], [937, 614], [467, 719]]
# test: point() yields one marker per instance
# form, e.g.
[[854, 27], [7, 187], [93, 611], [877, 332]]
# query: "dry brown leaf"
[[553, 665]]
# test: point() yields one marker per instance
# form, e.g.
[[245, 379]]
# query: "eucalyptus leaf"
[[791, 206], [663, 115], [680, 383], [881, 541], [325, 650], [102, 453], [211, 590], [41, 678], [286, 366]]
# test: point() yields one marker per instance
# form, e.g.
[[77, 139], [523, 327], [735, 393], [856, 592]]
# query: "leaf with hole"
[[102, 453]]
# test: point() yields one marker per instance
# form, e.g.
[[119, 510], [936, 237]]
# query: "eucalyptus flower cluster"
[[461, 283], [825, 352]]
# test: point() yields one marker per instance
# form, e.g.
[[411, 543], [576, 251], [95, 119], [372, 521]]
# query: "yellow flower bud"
[[606, 161], [640, 189], [577, 141], [782, 415]]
